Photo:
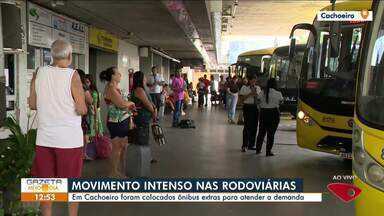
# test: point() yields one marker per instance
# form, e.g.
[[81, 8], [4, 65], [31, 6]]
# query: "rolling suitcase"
[[136, 161]]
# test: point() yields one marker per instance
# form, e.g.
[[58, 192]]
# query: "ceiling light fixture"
[[55, 3]]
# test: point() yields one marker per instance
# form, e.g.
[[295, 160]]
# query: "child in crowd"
[[191, 92], [167, 95]]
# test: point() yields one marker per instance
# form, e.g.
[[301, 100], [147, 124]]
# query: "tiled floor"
[[213, 150]]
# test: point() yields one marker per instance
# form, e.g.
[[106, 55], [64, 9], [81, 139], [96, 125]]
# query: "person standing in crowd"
[[269, 116], [119, 113], [249, 95], [186, 96], [241, 82], [185, 78], [171, 77], [178, 95], [84, 119], [94, 115], [207, 83], [226, 87], [118, 107], [212, 88], [222, 90], [168, 97], [163, 98], [155, 84], [58, 96], [232, 92], [130, 79], [146, 113], [191, 93], [200, 93]]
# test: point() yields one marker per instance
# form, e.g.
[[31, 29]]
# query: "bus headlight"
[[301, 115], [375, 173], [364, 166], [305, 118]]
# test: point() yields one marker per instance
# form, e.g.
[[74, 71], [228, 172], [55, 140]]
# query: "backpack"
[[187, 123]]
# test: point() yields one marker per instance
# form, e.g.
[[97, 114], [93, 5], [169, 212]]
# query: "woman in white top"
[[249, 94], [270, 101]]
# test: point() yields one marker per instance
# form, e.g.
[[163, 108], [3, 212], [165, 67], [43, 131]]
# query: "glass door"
[[10, 82]]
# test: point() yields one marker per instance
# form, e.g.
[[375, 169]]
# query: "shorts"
[[57, 162], [118, 129]]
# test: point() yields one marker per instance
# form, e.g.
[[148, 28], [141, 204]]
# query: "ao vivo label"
[[345, 192]]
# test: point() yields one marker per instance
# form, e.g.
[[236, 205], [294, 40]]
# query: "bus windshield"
[[371, 82], [256, 61], [332, 75], [279, 70]]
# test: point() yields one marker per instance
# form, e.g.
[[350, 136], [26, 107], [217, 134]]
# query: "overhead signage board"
[[102, 39], [46, 26]]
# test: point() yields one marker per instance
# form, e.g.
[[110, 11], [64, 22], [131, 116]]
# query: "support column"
[[2, 77], [23, 78], [146, 60]]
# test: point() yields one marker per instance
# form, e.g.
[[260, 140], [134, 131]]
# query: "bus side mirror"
[[265, 60], [301, 26], [292, 47]]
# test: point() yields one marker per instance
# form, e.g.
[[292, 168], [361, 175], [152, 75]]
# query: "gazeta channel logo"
[[353, 16], [43, 185]]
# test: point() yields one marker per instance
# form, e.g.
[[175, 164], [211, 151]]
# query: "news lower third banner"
[[165, 190]]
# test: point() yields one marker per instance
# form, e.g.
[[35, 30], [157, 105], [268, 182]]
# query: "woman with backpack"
[[270, 101]]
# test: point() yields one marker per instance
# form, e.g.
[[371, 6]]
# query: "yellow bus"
[[327, 81], [368, 132], [253, 63]]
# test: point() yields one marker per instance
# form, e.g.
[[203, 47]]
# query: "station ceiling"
[[149, 23], [272, 18], [142, 22]]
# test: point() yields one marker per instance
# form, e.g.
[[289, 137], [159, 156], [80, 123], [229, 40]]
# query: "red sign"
[[345, 192], [312, 85]]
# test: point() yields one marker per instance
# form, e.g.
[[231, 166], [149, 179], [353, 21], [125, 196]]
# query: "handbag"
[[102, 143], [158, 134], [103, 146]]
